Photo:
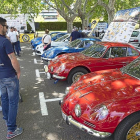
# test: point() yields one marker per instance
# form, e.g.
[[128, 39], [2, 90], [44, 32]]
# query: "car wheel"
[[129, 128], [75, 74], [139, 45]]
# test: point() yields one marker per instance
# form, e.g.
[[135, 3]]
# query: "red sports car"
[[100, 56], [106, 102]]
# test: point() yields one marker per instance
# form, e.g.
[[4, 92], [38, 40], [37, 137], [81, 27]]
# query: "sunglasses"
[[6, 26]]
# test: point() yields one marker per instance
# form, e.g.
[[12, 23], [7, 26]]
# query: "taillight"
[[136, 41]]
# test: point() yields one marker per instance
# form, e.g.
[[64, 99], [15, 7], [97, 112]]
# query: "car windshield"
[[135, 33], [61, 38], [74, 43], [53, 34], [132, 69], [95, 51]]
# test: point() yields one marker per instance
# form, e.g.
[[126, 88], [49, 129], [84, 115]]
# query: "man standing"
[[9, 82], [74, 35], [13, 38]]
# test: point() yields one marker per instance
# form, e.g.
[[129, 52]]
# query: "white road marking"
[[41, 72], [35, 61], [43, 105], [37, 73], [33, 53], [51, 100]]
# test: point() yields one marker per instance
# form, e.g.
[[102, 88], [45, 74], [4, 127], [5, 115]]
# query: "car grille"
[[89, 124]]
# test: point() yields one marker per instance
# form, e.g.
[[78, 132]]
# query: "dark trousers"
[[15, 47], [48, 46]]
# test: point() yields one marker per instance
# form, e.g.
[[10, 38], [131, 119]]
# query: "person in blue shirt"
[[9, 82], [74, 35]]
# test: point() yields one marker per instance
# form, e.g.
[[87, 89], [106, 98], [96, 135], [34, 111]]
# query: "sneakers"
[[17, 132]]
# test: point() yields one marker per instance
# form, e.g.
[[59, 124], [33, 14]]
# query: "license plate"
[[48, 75], [64, 116]]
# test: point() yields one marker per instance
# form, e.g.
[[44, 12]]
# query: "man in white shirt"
[[12, 35]]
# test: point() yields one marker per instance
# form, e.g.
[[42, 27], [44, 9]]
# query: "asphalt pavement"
[[39, 114]]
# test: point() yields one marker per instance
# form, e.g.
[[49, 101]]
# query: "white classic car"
[[62, 41]]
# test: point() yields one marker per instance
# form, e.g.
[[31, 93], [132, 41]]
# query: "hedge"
[[54, 26]]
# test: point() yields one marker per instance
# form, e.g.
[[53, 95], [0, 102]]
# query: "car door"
[[105, 62], [84, 44], [118, 57], [132, 54], [79, 47]]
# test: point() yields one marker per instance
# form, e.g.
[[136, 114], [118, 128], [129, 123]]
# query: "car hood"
[[56, 49], [75, 57], [102, 86], [53, 43]]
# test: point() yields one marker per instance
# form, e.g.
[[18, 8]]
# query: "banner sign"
[[121, 28], [13, 21]]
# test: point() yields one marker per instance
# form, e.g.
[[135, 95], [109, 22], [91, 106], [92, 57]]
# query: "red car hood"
[[70, 57], [101, 86]]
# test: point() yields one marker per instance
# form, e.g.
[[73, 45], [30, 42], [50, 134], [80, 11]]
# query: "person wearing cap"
[[75, 34]]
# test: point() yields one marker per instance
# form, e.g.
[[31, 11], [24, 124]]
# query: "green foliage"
[[54, 26]]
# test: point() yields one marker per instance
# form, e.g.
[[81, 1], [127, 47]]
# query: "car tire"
[[75, 73], [128, 127]]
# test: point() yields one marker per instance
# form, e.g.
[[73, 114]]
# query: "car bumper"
[[50, 76], [43, 58], [93, 132], [38, 53]]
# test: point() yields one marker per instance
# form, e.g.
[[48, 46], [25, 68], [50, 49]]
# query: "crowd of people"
[[78, 33]]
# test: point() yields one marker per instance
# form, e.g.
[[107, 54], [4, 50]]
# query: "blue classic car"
[[35, 39], [74, 46], [54, 36]]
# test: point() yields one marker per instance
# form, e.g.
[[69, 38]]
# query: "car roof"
[[114, 44], [88, 38]]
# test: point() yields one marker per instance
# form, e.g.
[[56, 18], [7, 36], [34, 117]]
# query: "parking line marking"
[[37, 73], [33, 53], [41, 72], [51, 100], [43, 105], [35, 61]]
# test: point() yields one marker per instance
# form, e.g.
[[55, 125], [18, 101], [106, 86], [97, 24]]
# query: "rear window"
[[135, 34]]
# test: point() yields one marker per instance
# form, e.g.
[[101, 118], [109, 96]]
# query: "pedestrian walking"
[[9, 82], [18, 42], [13, 38], [46, 40]]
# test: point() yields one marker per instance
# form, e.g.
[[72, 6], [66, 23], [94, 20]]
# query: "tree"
[[13, 7], [109, 5], [67, 9]]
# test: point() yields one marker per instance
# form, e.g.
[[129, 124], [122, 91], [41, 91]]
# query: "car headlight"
[[77, 110], [67, 90], [100, 112], [51, 54]]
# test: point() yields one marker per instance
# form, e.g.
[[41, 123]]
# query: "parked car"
[[64, 40], [135, 38], [77, 45], [106, 102], [35, 39], [57, 35], [100, 56]]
